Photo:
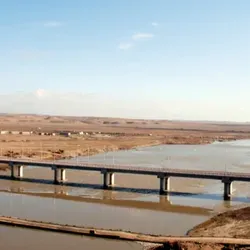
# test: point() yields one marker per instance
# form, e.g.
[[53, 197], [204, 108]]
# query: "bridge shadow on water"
[[205, 196]]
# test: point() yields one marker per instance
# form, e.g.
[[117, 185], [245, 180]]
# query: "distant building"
[[51, 134], [25, 133], [15, 132], [66, 134], [4, 132]]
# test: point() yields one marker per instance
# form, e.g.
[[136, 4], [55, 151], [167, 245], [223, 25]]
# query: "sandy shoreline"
[[67, 151], [61, 148]]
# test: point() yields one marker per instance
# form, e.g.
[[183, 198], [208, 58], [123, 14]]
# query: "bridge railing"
[[133, 167]]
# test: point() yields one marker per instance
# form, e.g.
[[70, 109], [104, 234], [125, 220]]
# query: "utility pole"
[[54, 152], [21, 150], [77, 154], [88, 153]]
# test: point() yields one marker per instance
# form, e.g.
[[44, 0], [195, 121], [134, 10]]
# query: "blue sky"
[[166, 59]]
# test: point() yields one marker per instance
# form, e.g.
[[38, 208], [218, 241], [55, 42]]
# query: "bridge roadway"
[[108, 171]]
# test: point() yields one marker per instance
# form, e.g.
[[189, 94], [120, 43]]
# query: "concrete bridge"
[[108, 171]]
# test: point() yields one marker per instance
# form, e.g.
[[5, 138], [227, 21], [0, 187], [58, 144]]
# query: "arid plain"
[[25, 135]]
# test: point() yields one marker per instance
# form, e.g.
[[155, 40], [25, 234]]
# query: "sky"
[[151, 59]]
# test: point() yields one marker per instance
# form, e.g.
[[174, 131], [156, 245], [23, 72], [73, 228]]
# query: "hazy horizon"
[[125, 118]]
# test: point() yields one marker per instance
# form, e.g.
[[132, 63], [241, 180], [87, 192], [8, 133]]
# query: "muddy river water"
[[134, 203]]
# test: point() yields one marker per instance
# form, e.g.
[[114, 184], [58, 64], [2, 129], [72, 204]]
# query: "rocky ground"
[[234, 224], [230, 224]]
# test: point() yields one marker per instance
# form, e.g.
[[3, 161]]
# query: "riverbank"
[[91, 136], [37, 147], [234, 224]]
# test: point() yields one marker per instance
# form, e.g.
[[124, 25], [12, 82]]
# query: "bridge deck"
[[142, 170]]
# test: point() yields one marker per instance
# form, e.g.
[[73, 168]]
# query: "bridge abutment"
[[164, 184], [227, 188]]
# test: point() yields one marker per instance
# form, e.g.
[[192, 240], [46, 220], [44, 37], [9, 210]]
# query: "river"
[[134, 204]]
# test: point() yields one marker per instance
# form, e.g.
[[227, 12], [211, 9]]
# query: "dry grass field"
[[104, 134]]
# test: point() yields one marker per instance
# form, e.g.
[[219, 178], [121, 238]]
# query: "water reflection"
[[109, 198], [129, 215]]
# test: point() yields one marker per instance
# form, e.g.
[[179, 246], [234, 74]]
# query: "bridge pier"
[[63, 175], [20, 172], [111, 179], [108, 179], [56, 176], [59, 175], [227, 188], [164, 184], [12, 170]]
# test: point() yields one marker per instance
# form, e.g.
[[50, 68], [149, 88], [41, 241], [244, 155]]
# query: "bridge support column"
[[59, 175], [12, 171], [108, 179], [56, 176], [62, 175], [227, 189], [164, 184], [20, 172], [111, 179]]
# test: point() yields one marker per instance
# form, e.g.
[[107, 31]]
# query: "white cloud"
[[125, 46], [155, 24], [52, 24], [136, 37], [40, 93], [142, 36]]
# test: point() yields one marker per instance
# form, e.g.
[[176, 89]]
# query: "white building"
[[4, 132]]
